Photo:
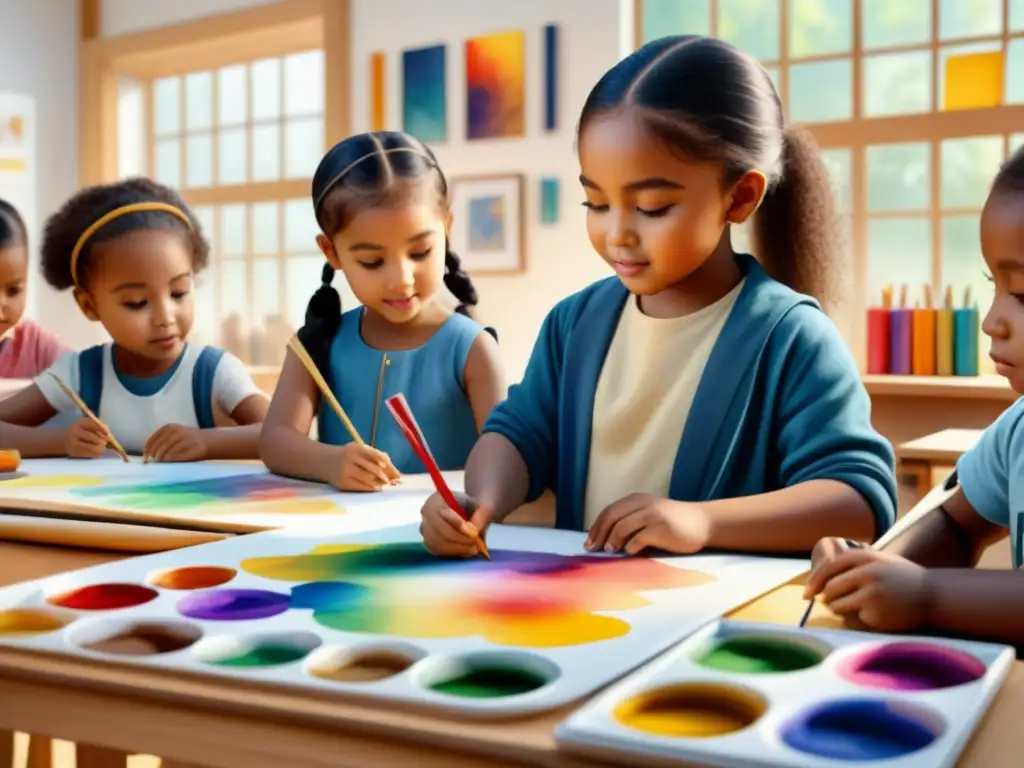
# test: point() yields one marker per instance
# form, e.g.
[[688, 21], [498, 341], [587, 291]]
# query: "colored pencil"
[[297, 347], [399, 408], [87, 412]]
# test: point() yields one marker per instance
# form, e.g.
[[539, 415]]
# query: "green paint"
[[264, 656], [491, 682], [755, 655]]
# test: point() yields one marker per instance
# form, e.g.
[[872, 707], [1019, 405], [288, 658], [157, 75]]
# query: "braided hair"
[[370, 170]]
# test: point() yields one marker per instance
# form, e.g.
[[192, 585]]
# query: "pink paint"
[[911, 666]]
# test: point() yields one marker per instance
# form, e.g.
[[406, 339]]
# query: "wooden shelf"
[[973, 387]]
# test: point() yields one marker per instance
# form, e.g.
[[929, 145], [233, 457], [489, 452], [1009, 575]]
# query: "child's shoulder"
[[1006, 433]]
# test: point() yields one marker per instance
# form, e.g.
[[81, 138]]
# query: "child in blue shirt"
[[701, 398], [130, 252], [926, 578], [382, 203]]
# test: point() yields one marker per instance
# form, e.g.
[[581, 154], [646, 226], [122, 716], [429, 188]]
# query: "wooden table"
[[927, 460], [232, 731]]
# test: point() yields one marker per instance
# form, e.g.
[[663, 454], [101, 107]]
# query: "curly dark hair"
[[80, 212], [1011, 175], [707, 100], [12, 226]]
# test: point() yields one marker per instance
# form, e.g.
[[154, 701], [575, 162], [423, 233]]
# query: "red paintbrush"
[[399, 408]]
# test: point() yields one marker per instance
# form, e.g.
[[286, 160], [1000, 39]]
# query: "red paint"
[[524, 603], [104, 597]]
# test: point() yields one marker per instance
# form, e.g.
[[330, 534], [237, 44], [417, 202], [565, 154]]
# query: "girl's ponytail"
[[323, 319], [457, 281]]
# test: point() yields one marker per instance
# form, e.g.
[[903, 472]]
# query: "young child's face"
[[653, 217], [1002, 245], [140, 288], [13, 276], [393, 258]]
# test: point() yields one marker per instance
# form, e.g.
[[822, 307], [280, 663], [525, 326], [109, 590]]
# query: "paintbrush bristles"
[[297, 347]]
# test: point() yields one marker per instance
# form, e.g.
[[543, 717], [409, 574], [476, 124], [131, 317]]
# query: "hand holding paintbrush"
[[91, 426]]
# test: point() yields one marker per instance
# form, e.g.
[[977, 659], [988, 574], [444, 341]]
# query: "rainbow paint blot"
[[523, 599]]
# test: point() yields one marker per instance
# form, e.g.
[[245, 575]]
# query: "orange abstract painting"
[[495, 86]]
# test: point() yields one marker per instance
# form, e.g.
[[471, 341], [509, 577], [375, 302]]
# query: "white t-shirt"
[[133, 418], [643, 398]]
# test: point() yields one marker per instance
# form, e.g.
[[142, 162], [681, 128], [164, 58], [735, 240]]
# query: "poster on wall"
[[18, 168]]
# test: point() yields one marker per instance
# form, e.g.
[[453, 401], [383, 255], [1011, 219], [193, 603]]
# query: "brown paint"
[[366, 668], [146, 640]]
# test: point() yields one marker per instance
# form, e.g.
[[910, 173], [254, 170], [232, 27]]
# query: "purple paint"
[[911, 667], [233, 604]]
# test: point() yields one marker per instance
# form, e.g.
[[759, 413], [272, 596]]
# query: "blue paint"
[[857, 731]]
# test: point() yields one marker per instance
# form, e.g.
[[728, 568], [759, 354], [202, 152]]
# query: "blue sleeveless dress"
[[430, 377]]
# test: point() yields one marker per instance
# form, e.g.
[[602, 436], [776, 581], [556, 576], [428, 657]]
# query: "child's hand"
[[444, 531], [641, 520], [85, 439], [174, 442], [363, 468], [883, 592], [824, 554]]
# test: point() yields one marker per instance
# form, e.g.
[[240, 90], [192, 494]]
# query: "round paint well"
[[134, 638], [233, 604], [910, 666], [260, 650], [488, 675], [362, 665], [692, 710], [761, 654], [104, 597], [862, 730], [192, 577], [27, 622]]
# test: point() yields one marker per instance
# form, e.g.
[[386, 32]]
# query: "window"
[[915, 107]]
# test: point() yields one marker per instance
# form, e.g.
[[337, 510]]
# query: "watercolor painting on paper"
[[496, 86], [424, 99]]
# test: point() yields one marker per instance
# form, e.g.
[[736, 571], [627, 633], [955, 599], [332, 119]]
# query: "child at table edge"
[[777, 447], [926, 578]]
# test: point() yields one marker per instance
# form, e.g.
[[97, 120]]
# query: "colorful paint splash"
[[524, 599]]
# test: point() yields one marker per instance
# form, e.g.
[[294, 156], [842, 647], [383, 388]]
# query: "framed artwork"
[[549, 200], [496, 86], [488, 229], [550, 77], [377, 75], [423, 94]]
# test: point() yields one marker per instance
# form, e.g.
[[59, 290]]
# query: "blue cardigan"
[[780, 403]]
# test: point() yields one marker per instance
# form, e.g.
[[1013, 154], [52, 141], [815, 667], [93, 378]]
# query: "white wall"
[[121, 17], [39, 57], [560, 259]]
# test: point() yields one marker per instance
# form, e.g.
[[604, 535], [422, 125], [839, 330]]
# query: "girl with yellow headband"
[[382, 205], [130, 252]]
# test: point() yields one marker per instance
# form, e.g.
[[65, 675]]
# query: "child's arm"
[[836, 472], [22, 413], [237, 394], [485, 378]]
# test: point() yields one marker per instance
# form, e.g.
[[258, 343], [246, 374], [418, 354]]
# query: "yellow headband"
[[117, 213]]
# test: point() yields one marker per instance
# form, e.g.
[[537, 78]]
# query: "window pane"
[[897, 177], [970, 18], [963, 267], [817, 27], [232, 230], [1016, 141], [897, 84], [967, 169], [1016, 15], [887, 24], [232, 144], [204, 329], [199, 101], [232, 95], [204, 215], [199, 160], [838, 162], [753, 25], [304, 83], [166, 106], [672, 17], [266, 285], [1015, 71], [265, 225], [266, 153], [821, 91], [300, 227], [234, 300], [980, 84], [302, 274], [899, 252], [167, 162], [303, 146], [266, 89], [131, 129]]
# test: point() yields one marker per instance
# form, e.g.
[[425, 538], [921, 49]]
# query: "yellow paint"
[[28, 621], [556, 631], [697, 711], [311, 506], [52, 481], [974, 81]]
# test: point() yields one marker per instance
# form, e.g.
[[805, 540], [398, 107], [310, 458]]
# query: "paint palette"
[[739, 695], [366, 612]]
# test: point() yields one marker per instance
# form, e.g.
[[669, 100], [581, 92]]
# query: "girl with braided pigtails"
[[382, 204]]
